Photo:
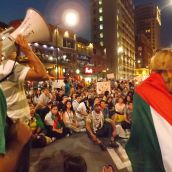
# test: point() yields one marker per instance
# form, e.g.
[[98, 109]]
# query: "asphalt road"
[[49, 158]]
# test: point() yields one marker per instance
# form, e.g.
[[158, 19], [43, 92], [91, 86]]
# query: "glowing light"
[[77, 71], [52, 47], [120, 50], [64, 57], [36, 44], [71, 17], [90, 45], [56, 69], [45, 46], [66, 34], [51, 58]]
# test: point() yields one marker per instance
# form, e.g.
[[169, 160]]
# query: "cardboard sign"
[[101, 87], [110, 76]]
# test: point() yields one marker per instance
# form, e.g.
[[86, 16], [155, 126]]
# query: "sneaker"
[[113, 144], [102, 146]]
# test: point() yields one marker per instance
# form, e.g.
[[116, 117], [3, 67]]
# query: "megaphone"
[[34, 28]]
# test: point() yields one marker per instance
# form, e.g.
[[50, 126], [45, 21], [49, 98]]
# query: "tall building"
[[148, 22], [144, 51], [112, 24]]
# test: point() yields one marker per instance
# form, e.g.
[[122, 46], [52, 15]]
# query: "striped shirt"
[[13, 88]]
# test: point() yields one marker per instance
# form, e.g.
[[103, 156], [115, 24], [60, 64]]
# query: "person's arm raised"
[[37, 71]]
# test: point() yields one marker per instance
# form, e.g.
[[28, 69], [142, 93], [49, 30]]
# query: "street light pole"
[[71, 18], [57, 53]]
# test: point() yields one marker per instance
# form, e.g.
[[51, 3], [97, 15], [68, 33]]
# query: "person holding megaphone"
[[14, 148]]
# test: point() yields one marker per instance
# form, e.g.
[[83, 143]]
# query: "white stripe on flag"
[[164, 134]]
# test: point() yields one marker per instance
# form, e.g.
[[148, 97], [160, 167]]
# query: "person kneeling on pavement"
[[97, 127]]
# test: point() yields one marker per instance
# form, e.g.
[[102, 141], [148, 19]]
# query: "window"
[[101, 18], [100, 10], [68, 43], [117, 18], [101, 27], [147, 30], [101, 43], [117, 34], [101, 35], [100, 2]]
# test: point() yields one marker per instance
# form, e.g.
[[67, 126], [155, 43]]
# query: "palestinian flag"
[[150, 145]]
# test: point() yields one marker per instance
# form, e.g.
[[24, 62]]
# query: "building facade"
[[112, 25], [143, 51], [64, 53], [148, 22]]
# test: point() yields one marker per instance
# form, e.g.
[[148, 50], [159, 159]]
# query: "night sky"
[[52, 10]]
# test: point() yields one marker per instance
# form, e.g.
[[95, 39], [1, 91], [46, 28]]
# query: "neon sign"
[[88, 70]]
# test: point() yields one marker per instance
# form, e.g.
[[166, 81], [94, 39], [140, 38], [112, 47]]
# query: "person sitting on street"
[[39, 138], [70, 119], [54, 124], [97, 127]]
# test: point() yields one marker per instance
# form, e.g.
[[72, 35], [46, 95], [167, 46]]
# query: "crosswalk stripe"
[[117, 161], [122, 151], [120, 158]]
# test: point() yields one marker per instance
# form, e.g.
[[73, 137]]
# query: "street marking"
[[120, 158], [117, 161]]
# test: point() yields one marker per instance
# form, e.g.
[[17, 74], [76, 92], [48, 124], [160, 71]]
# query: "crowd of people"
[[75, 108]]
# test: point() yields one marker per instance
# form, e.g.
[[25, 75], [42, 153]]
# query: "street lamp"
[[139, 61], [70, 17]]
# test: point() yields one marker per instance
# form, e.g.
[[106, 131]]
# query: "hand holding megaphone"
[[34, 28], [22, 42]]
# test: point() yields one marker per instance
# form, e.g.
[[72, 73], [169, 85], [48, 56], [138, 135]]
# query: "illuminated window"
[[101, 18], [117, 34], [101, 27], [147, 30], [100, 10], [101, 43], [100, 2], [66, 34], [101, 35]]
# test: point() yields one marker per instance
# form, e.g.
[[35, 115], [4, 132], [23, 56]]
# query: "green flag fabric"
[[3, 111], [143, 146]]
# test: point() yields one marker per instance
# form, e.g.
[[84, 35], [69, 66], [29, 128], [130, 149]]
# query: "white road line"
[[127, 164], [129, 169], [117, 161], [123, 152]]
